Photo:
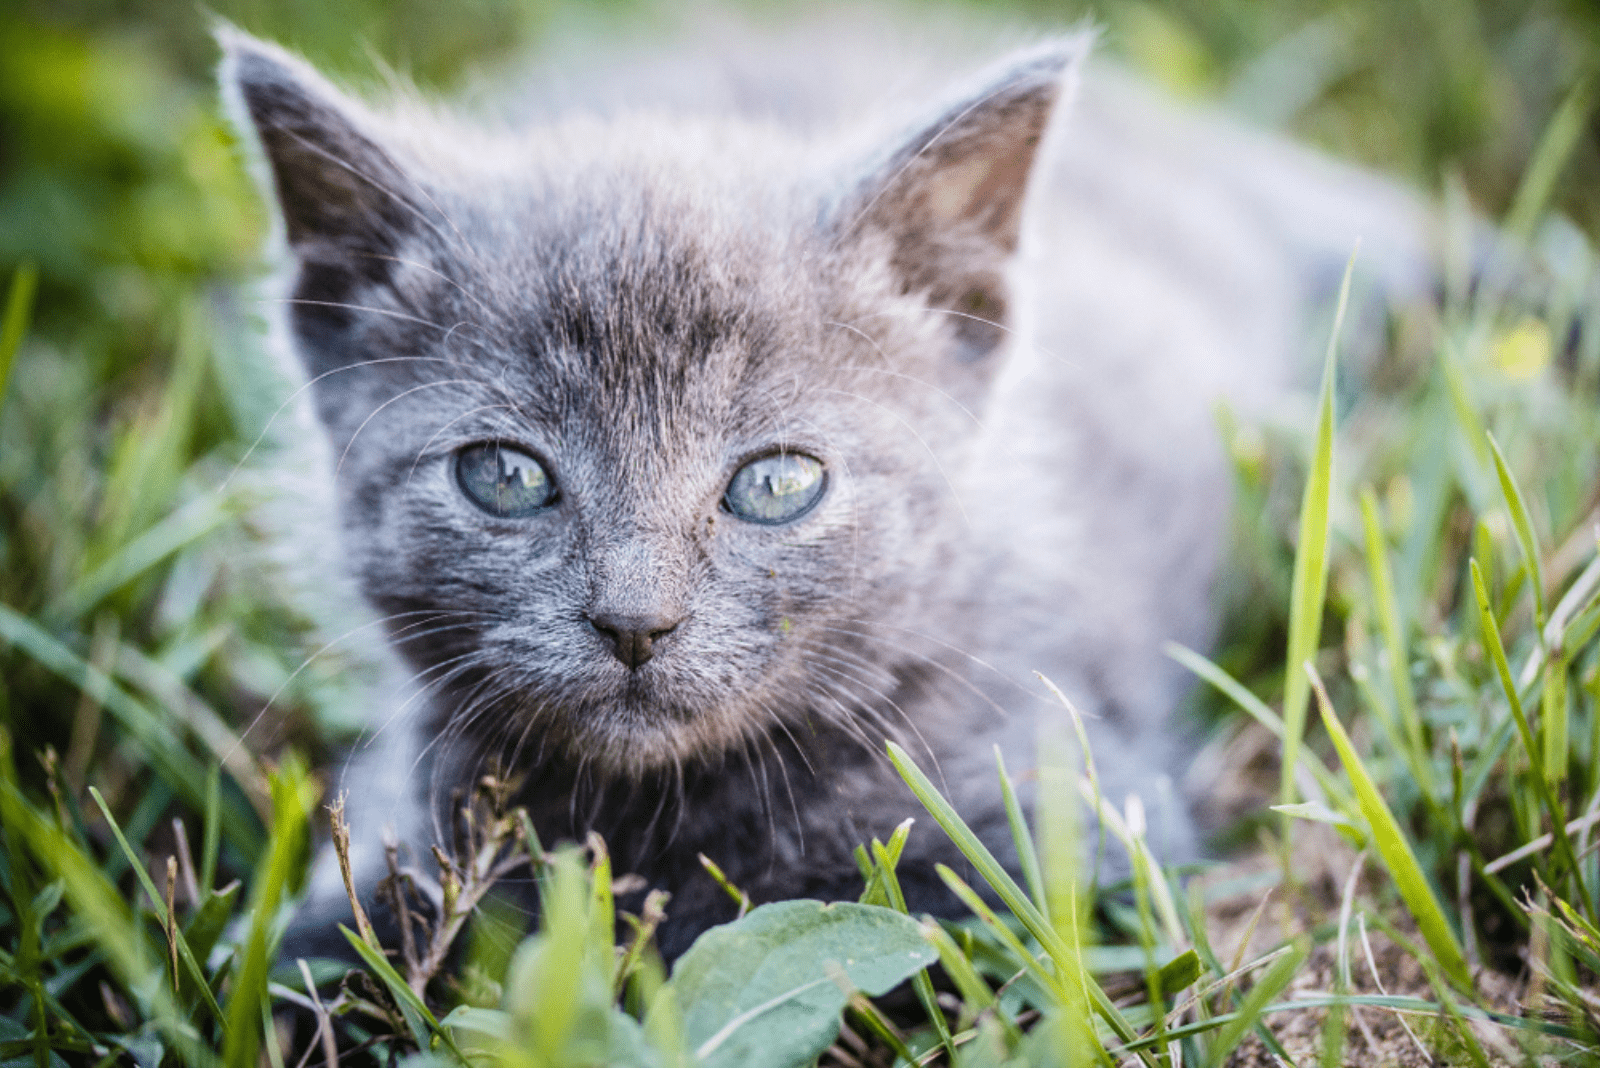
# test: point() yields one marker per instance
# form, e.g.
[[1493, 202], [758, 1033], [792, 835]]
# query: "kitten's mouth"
[[648, 723]]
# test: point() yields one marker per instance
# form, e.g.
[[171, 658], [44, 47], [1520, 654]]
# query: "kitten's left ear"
[[950, 197]]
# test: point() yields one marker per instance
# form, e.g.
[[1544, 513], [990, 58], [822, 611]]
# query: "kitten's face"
[[645, 436]]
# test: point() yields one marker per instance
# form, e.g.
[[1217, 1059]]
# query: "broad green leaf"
[[492, 1022], [759, 990], [1180, 971]]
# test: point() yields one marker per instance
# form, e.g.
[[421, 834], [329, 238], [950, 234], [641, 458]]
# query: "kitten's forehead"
[[640, 297]]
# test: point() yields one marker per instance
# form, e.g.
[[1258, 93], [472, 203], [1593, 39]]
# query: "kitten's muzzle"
[[633, 637]]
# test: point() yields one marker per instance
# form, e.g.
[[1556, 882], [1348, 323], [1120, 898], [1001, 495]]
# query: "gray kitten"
[[688, 459]]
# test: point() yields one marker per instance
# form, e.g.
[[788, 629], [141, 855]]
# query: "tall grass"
[[1450, 507]]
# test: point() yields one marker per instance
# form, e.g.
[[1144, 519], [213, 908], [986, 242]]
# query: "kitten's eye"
[[776, 489], [503, 481]]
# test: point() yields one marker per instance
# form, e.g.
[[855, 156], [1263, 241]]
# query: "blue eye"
[[503, 481], [776, 489]]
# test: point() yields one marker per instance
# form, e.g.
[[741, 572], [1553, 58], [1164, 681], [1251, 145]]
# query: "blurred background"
[[139, 632]]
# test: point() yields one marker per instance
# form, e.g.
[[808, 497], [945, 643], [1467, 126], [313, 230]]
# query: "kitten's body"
[[647, 302]]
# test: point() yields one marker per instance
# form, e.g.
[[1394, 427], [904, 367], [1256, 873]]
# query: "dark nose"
[[633, 637]]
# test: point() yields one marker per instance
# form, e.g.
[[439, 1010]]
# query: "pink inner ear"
[[984, 190], [957, 190]]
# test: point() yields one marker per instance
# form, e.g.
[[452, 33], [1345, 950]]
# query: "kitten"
[[687, 459]]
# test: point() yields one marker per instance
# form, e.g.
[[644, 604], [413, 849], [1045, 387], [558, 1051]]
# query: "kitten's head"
[[648, 434]]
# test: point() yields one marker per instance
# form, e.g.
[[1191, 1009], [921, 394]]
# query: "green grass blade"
[[1309, 586], [1550, 159], [1553, 810], [1463, 1033], [1048, 980], [1258, 710], [1027, 855], [117, 932], [1390, 841], [919, 982], [419, 1019], [1393, 634], [1553, 722], [1523, 525], [1418, 1006], [213, 830], [1239, 1023], [417, 1015], [159, 906], [1467, 420], [14, 327], [995, 875], [973, 990], [178, 530], [1139, 856], [293, 795], [166, 752]]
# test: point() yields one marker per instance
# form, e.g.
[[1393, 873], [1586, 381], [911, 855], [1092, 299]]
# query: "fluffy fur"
[[1002, 329]]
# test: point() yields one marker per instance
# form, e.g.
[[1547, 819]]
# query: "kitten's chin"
[[631, 735], [633, 742]]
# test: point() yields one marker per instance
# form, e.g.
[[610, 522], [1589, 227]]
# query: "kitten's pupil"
[[503, 481], [776, 489]]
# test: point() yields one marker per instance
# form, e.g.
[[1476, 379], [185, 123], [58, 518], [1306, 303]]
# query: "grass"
[[1435, 592]]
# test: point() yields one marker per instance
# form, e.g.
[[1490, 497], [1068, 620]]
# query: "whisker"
[[956, 649], [949, 672], [392, 400], [308, 661], [367, 308], [866, 708], [436, 434], [357, 366], [463, 290], [869, 339]]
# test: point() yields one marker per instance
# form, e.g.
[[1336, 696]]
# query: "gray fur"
[[1003, 330]]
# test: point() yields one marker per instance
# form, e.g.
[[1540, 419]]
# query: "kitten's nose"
[[633, 637]]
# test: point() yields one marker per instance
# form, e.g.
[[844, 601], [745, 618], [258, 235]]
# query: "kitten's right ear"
[[950, 195], [335, 185]]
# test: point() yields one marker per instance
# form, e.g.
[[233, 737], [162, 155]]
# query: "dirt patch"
[[1257, 918]]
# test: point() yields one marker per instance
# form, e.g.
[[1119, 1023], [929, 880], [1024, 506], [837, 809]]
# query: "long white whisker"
[[869, 339], [446, 426], [393, 400], [360, 365]]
